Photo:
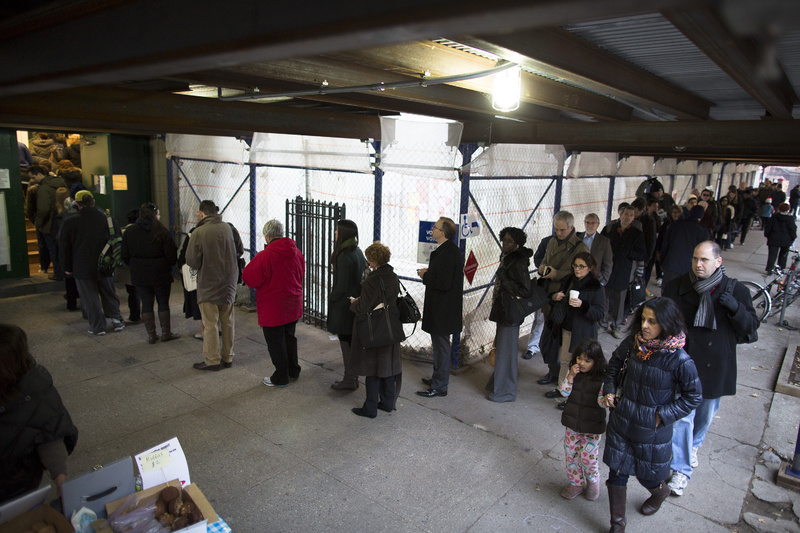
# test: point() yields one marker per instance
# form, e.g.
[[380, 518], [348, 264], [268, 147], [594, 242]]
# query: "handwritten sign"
[[157, 459]]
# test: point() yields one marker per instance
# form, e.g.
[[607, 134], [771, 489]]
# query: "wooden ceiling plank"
[[710, 34], [557, 52]]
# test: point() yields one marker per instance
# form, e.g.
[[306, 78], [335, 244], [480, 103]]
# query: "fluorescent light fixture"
[[507, 85]]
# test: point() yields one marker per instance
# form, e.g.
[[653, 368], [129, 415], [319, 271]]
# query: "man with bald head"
[[719, 314]]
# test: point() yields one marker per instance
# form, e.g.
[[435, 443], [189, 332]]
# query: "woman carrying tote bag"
[[381, 365]]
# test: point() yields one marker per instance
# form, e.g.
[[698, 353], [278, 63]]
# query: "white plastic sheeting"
[[665, 167], [687, 167], [304, 151], [228, 149], [420, 147], [519, 160], [592, 164], [636, 165]]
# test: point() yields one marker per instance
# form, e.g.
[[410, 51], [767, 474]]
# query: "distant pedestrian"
[[781, 234]]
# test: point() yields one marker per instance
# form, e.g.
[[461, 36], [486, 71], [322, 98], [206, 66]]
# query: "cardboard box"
[[43, 513], [149, 495]]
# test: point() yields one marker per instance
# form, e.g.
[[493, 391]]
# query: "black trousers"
[[150, 294], [779, 252], [385, 390], [282, 347], [746, 222]]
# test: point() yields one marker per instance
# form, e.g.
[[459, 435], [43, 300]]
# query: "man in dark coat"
[[718, 313], [41, 210], [83, 238], [749, 206], [679, 242], [627, 247], [778, 196], [794, 199], [442, 310]]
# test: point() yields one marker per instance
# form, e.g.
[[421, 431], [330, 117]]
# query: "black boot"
[[653, 503], [616, 503], [166, 333], [149, 320]]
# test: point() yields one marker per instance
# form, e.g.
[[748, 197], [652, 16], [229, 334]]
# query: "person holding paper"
[[36, 431]]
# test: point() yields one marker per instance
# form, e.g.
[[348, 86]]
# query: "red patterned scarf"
[[645, 348]]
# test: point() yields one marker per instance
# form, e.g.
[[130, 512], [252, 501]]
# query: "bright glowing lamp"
[[505, 94]]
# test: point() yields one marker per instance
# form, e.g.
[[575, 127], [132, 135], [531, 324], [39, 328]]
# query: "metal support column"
[[610, 205], [378, 196], [171, 197], [253, 229], [467, 150], [557, 199]]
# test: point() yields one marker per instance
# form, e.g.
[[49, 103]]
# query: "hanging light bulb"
[[505, 94]]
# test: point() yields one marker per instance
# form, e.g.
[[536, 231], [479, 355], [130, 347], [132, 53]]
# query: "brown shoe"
[[204, 366]]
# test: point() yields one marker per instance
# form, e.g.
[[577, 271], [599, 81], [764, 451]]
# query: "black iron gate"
[[311, 225]]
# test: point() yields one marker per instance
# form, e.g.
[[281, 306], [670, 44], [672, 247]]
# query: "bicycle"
[[785, 285], [762, 301]]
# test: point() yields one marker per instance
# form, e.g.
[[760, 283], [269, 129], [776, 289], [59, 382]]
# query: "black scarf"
[[705, 318]]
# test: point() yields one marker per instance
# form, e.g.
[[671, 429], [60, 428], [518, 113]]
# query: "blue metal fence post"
[[378, 197], [171, 196], [253, 212], [557, 200], [610, 206], [467, 150]]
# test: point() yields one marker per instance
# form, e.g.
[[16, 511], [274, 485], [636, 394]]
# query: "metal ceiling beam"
[[439, 60], [313, 71], [117, 41], [749, 138], [140, 112], [738, 59], [558, 53], [375, 102]]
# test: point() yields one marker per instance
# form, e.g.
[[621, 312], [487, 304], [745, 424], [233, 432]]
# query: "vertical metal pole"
[[171, 197], [467, 151], [253, 221], [378, 196], [557, 200], [794, 468], [610, 207]]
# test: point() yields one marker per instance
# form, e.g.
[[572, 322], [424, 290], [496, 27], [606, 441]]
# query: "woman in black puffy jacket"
[[148, 248], [512, 278], [651, 382]]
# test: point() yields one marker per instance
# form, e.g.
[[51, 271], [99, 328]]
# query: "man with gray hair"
[[213, 252], [561, 250], [276, 274]]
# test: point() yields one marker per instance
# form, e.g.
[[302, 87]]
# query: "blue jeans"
[[536, 331], [690, 431]]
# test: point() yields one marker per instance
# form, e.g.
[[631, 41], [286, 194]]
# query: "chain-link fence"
[[389, 187]]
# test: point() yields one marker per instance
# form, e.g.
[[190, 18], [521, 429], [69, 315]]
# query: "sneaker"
[[658, 282], [693, 457], [119, 325], [648, 294], [98, 334], [527, 355], [678, 483], [617, 334], [268, 382]]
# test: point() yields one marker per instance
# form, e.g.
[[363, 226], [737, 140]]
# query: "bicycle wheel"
[[762, 302]]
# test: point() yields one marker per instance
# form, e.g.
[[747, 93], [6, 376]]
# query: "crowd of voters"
[[654, 397]]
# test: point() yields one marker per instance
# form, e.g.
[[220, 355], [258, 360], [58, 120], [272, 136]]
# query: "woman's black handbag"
[[407, 309], [381, 326], [516, 308]]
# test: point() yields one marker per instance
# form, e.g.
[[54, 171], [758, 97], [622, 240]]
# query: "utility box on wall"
[[13, 240]]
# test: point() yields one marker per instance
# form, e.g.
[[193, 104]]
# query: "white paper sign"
[[469, 226], [163, 463], [5, 179]]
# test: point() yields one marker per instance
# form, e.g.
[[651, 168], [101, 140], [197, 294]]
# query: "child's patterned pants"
[[581, 452]]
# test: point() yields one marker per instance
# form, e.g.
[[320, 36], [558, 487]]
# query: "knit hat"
[[81, 195], [768, 201], [692, 197], [784, 207]]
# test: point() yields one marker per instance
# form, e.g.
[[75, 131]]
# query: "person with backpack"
[[719, 314], [83, 239]]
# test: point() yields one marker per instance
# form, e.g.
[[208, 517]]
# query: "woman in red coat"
[[276, 274]]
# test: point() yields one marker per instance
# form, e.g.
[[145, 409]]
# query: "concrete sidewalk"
[[296, 459]]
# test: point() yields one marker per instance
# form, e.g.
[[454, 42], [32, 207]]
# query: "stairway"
[[33, 247]]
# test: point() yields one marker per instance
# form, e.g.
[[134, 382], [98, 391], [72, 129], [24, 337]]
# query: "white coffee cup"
[[573, 295]]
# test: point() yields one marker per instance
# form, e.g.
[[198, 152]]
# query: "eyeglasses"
[[437, 227], [579, 267]]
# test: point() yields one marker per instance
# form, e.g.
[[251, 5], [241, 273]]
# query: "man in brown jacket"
[[213, 252]]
